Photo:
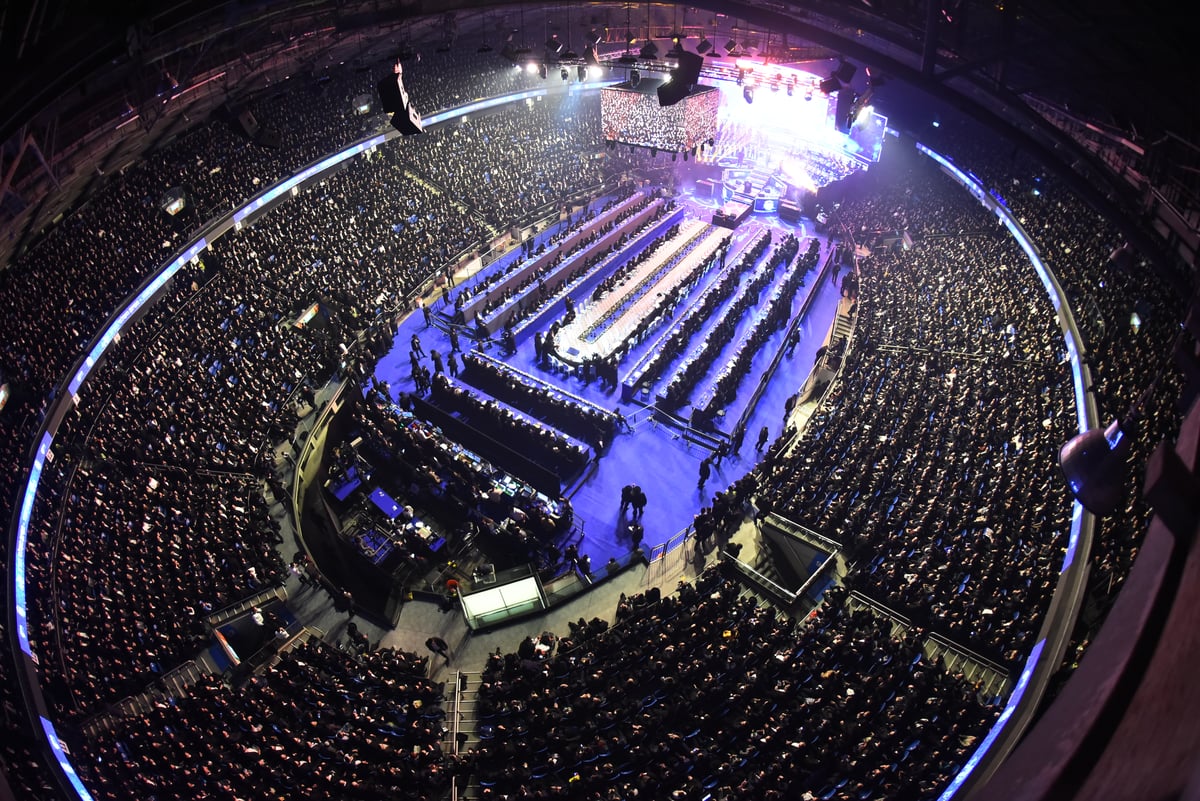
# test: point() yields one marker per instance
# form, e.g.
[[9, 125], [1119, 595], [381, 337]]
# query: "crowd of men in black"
[[543, 444], [706, 693], [317, 724], [548, 290], [934, 460], [461, 490], [531, 306], [1108, 283], [530, 250], [684, 381], [772, 319], [701, 314], [104, 249], [582, 420], [207, 380]]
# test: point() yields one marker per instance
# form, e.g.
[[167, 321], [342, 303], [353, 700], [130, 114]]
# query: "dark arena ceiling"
[[75, 70]]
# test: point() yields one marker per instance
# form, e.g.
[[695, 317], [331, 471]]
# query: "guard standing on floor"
[[763, 436], [705, 471]]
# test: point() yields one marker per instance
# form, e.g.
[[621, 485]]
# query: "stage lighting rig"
[[704, 46], [649, 51]]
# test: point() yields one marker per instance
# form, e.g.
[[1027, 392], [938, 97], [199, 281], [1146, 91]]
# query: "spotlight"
[[635, 78], [594, 37], [630, 40], [649, 51], [845, 72], [731, 47], [704, 46], [830, 85], [748, 93], [553, 46], [531, 68]]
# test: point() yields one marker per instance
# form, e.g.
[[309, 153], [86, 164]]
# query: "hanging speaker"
[[408, 122]]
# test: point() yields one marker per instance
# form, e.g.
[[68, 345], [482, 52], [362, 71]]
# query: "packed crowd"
[[708, 694], [964, 382], [318, 724], [205, 383], [516, 162], [934, 461], [1109, 284]]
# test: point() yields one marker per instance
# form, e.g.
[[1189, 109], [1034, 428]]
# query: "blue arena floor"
[[656, 456]]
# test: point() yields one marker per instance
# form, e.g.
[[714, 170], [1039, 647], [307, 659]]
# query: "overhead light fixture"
[[649, 51], [830, 85], [845, 71], [594, 37], [531, 67], [731, 47], [704, 46], [553, 46]]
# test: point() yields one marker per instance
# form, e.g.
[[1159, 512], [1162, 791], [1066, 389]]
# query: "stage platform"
[[732, 214]]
